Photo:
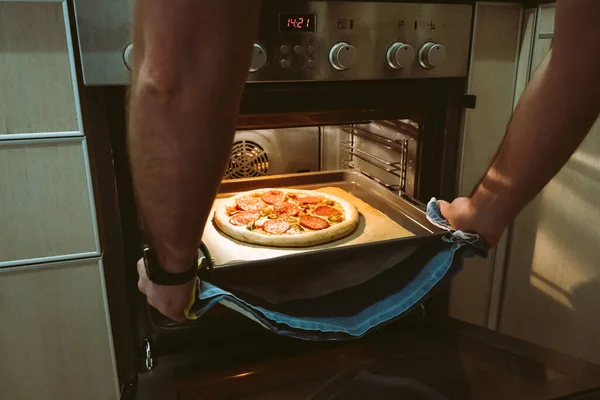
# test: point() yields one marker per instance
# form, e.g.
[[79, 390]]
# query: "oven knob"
[[432, 55], [259, 58], [400, 55], [128, 57], [342, 56]]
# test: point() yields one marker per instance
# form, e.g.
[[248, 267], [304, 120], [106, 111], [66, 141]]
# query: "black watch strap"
[[161, 277]]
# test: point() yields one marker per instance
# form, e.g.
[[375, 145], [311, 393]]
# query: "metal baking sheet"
[[399, 210], [404, 213]]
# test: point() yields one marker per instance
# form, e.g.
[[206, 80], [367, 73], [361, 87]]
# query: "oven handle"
[[207, 263]]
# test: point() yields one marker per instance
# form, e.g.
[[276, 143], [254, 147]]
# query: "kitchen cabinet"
[[37, 84], [47, 209], [55, 334], [544, 32], [541, 49], [542, 282], [552, 287], [526, 43], [492, 79], [546, 22], [55, 337]]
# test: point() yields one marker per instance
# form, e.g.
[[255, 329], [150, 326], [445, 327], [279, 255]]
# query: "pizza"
[[286, 217]]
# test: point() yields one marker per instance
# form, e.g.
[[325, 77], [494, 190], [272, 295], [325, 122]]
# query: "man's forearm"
[[191, 61], [553, 116]]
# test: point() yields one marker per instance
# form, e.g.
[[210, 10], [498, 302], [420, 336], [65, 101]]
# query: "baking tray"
[[400, 210], [408, 215]]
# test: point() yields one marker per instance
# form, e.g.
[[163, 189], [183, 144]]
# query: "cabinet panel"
[[46, 208], [36, 85], [55, 336], [544, 34], [552, 294], [525, 52], [541, 50], [492, 80], [547, 12]]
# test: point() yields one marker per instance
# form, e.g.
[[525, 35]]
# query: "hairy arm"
[[553, 116], [190, 66]]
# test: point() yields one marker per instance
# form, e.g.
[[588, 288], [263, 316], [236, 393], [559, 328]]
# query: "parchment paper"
[[373, 226]]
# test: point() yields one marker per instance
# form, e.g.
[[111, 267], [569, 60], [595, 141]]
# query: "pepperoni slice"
[[244, 218], [286, 209], [326, 211], [250, 203], [276, 226], [308, 200], [231, 210], [314, 223], [273, 197]]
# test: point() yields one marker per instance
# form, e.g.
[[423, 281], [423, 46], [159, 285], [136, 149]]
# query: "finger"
[[177, 316], [180, 318], [141, 269], [444, 208], [165, 309], [142, 285]]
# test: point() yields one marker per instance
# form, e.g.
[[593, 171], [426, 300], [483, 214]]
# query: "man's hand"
[[170, 301], [464, 215]]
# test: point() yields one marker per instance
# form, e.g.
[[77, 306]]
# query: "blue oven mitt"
[[352, 312], [436, 218]]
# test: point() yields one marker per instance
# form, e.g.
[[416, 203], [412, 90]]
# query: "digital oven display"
[[297, 22]]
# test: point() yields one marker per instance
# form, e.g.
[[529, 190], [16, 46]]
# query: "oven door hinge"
[[469, 101]]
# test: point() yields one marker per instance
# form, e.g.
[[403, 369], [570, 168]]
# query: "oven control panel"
[[301, 40], [336, 40]]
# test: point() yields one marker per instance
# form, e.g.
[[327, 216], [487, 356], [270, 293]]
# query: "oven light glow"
[[243, 374]]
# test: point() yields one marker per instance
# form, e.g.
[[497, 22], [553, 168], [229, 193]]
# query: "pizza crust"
[[304, 239]]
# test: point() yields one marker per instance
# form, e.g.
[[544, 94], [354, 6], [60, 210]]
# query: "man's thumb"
[[444, 208]]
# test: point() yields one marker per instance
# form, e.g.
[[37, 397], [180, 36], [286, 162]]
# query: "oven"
[[367, 97]]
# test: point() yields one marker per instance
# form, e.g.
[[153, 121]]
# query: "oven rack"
[[387, 143], [347, 164], [397, 168]]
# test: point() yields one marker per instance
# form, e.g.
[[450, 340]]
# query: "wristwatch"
[[161, 277]]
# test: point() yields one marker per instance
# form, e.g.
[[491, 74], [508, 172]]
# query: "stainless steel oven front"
[[366, 96], [307, 41]]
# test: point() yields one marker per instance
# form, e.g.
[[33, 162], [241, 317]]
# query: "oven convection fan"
[[247, 160]]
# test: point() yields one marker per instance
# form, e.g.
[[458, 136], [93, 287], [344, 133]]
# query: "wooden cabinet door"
[[46, 207], [55, 340], [37, 85], [492, 80], [552, 292]]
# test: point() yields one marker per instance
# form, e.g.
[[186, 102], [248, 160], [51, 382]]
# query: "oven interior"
[[385, 151], [369, 164]]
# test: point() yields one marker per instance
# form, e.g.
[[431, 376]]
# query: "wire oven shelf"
[[395, 168]]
